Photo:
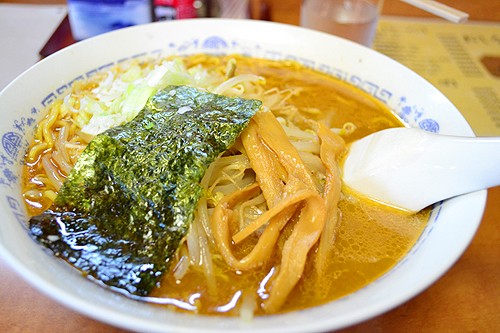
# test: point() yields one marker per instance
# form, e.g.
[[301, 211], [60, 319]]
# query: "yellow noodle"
[[47, 124], [36, 151], [51, 195]]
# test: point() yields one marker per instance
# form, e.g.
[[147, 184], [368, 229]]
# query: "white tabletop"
[[24, 30]]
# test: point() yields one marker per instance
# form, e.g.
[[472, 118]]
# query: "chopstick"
[[439, 9]]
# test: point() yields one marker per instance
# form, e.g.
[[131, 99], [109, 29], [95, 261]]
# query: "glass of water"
[[351, 19]]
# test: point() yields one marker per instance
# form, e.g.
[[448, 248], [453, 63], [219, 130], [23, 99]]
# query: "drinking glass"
[[351, 19]]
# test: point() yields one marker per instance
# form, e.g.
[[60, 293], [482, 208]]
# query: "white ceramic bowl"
[[449, 231]]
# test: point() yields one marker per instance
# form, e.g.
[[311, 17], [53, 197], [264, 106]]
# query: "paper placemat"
[[461, 60]]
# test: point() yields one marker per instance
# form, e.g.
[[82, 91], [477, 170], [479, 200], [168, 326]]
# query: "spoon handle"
[[473, 163]]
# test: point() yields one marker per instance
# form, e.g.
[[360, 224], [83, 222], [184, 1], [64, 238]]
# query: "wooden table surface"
[[465, 299]]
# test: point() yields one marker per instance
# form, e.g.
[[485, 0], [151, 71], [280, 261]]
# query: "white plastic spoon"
[[411, 169]]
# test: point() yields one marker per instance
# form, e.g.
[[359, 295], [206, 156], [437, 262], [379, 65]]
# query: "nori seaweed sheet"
[[124, 208]]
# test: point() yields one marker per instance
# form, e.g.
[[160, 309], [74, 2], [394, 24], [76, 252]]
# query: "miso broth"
[[369, 240]]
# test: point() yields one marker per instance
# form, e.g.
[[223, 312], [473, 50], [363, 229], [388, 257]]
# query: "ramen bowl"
[[450, 228]]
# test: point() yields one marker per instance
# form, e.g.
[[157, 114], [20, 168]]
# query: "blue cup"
[[89, 18]]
